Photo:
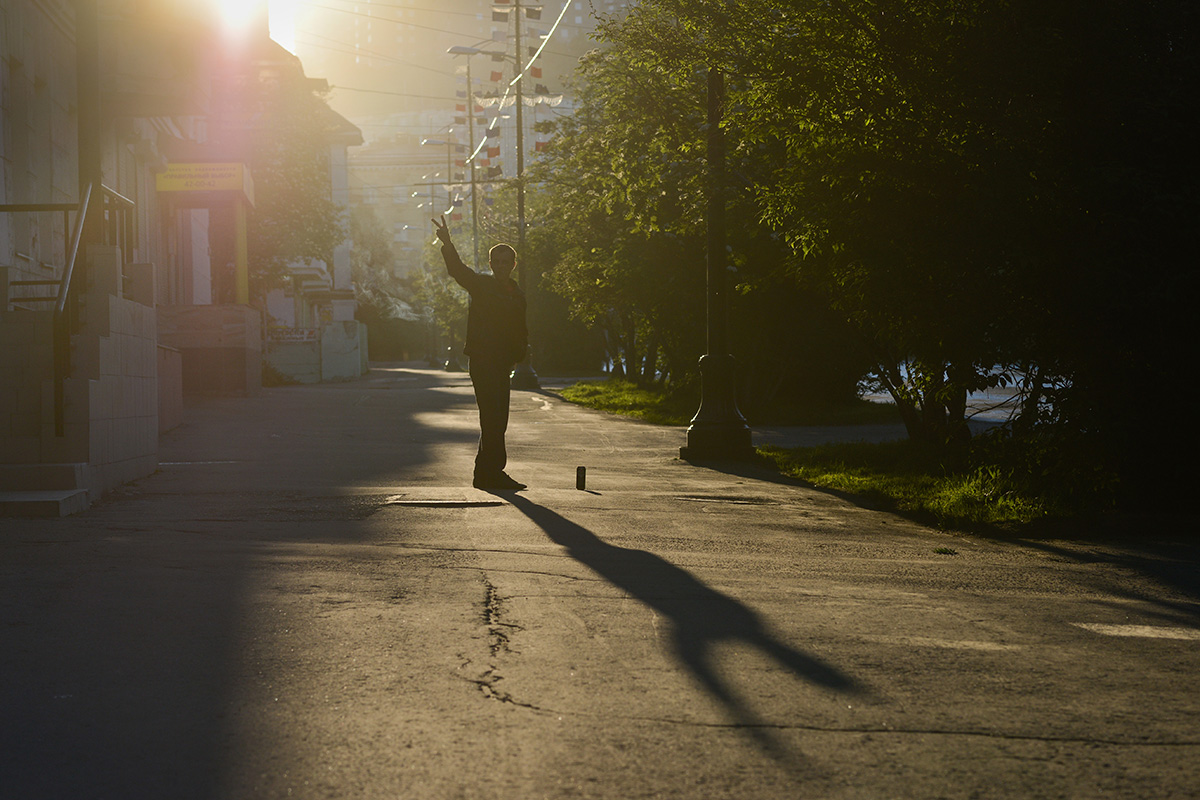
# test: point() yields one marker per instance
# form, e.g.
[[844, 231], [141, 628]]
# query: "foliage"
[[385, 301], [915, 478], [444, 303], [627, 398], [679, 405], [294, 217], [559, 344], [373, 268], [622, 191], [987, 192]]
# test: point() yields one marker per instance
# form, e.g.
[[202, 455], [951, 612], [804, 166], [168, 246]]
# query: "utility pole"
[[523, 376], [470, 146]]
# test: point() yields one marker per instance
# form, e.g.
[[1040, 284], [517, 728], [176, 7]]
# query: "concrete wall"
[[115, 378], [221, 347], [297, 361], [123, 398], [26, 364], [363, 348], [339, 353], [37, 132], [170, 388], [110, 409]]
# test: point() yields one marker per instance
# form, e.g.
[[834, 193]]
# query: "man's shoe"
[[508, 484], [498, 482]]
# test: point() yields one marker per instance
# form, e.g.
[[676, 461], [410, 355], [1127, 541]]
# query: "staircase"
[[43, 490], [76, 400], [33, 482]]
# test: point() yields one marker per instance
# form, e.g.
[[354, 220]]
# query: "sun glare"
[[237, 15]]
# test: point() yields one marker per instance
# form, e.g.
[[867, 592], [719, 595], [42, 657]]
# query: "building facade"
[[121, 283]]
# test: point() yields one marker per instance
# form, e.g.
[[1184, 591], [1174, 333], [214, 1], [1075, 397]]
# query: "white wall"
[[201, 261]]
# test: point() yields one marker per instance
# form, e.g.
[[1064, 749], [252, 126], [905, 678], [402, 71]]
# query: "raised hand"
[[442, 229]]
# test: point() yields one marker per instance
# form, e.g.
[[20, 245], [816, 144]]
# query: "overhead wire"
[[524, 69], [414, 24]]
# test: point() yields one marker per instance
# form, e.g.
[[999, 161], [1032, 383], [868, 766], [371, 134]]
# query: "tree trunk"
[[631, 356]]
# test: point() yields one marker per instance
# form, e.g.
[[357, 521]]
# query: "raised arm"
[[454, 264]]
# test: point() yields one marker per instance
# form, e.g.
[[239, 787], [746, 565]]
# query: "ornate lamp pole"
[[718, 431]]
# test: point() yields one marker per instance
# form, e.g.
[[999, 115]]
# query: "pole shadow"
[[700, 617]]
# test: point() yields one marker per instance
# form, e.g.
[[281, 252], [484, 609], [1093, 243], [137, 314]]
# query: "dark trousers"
[[491, 382]]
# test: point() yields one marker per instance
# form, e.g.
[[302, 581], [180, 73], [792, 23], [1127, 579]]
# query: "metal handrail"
[[118, 197], [119, 218], [65, 285], [62, 329]]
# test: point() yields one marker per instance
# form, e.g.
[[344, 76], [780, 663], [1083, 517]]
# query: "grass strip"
[[623, 397], [906, 477], [902, 476], [619, 396]]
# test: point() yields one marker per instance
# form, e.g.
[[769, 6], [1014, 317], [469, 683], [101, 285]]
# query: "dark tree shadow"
[[700, 617]]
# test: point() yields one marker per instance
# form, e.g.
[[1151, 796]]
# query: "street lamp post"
[[718, 431]]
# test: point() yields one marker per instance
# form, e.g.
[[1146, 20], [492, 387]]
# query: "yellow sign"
[[206, 177]]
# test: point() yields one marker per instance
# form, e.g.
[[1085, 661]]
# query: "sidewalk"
[[309, 600]]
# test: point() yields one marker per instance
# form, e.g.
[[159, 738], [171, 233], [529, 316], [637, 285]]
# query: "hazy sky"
[[239, 13], [283, 23]]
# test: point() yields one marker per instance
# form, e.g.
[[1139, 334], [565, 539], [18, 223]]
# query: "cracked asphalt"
[[308, 600]]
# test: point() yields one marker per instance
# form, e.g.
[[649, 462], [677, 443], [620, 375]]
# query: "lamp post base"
[[718, 432], [523, 377]]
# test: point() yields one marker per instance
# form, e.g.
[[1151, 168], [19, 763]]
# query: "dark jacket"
[[496, 332]]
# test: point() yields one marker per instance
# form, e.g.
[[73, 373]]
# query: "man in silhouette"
[[496, 340]]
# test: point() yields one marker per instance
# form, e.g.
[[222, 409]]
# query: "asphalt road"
[[308, 600]]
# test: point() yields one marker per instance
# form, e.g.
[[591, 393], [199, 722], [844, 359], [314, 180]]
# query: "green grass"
[[906, 477], [624, 397], [618, 396], [901, 476]]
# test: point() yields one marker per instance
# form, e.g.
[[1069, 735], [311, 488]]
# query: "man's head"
[[502, 259]]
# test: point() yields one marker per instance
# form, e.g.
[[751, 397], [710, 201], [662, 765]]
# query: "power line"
[[393, 94], [422, 27], [358, 51], [384, 19], [372, 4]]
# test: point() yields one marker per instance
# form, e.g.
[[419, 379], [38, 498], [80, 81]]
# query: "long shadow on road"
[[123, 629], [700, 617]]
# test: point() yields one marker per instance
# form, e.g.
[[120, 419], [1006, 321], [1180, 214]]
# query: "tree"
[[385, 301], [441, 302], [295, 217], [986, 191], [623, 183], [373, 268]]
